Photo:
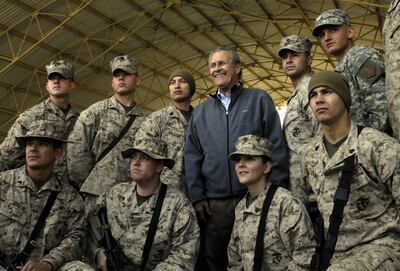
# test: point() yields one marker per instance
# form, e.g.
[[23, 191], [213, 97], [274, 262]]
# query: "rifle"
[[109, 241], [7, 263], [318, 225]]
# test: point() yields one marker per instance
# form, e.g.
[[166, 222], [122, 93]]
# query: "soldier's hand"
[[202, 210], [37, 266], [101, 260]]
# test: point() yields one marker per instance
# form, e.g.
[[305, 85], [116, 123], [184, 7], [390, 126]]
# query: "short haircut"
[[233, 53]]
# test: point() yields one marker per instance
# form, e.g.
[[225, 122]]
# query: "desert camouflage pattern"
[[12, 154], [364, 68], [21, 203], [299, 126], [94, 130], [125, 63], [61, 67], [289, 239], [251, 145], [44, 129], [176, 241], [169, 125], [294, 43], [371, 216], [330, 17], [391, 40]]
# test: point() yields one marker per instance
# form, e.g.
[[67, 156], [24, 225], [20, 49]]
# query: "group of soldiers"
[[114, 188]]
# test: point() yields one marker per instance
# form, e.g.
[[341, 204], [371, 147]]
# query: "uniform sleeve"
[[369, 73], [12, 155], [80, 158], [297, 234], [185, 241], [273, 131], [151, 126], [235, 261], [70, 246], [193, 157]]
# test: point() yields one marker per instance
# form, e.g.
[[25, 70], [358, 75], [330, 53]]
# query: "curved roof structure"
[[163, 35]]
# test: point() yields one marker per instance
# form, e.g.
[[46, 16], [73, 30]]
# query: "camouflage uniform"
[[364, 67], [11, 154], [170, 125], [95, 129], [369, 234], [289, 238], [299, 124], [21, 203], [391, 40]]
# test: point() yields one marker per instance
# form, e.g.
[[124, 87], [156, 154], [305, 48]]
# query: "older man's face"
[[223, 72]]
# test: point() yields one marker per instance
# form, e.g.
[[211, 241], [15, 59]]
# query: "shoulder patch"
[[369, 72]]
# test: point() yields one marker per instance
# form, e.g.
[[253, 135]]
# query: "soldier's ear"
[[267, 168], [350, 32], [309, 60], [58, 152]]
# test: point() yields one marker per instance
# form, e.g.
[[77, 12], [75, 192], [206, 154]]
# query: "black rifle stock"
[[109, 242], [7, 263]]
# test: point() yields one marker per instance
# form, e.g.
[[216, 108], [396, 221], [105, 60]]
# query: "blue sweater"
[[211, 136]]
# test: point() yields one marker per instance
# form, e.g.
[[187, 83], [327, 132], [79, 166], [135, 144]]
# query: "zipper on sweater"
[[227, 151]]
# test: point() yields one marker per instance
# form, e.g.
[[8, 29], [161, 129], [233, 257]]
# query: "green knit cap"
[[188, 78], [334, 81]]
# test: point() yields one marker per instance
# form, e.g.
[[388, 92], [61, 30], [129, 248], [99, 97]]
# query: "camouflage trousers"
[[70, 266], [366, 258]]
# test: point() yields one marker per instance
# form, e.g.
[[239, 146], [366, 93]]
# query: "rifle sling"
[[153, 226], [117, 139], [26, 252], [259, 249]]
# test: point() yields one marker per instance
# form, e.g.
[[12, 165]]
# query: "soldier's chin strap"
[[21, 258]]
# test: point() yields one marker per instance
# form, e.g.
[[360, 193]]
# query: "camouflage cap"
[[330, 17], [153, 147], [294, 43], [125, 63], [251, 145], [44, 129], [61, 67]]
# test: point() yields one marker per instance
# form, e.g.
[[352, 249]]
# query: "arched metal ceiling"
[[162, 35]]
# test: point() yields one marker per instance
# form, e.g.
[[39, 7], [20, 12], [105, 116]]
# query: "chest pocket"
[[13, 222]]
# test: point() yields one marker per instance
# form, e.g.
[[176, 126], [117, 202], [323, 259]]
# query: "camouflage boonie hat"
[[251, 145], [153, 147], [61, 67], [125, 63], [294, 43], [330, 17], [44, 129]]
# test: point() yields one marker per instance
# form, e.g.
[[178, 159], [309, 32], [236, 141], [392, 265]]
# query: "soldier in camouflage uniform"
[[23, 194], [170, 125], [369, 234], [130, 206], [97, 127], [391, 40], [60, 85], [364, 67], [289, 238], [300, 125]]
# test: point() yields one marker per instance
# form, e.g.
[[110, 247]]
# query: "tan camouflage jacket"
[[95, 129], [288, 241], [299, 124], [12, 155], [371, 215], [364, 67], [20, 206], [176, 242], [169, 125]]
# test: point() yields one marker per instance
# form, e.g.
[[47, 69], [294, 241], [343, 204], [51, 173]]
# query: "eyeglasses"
[[218, 64]]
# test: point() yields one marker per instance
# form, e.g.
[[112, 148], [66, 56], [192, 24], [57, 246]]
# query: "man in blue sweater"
[[213, 186]]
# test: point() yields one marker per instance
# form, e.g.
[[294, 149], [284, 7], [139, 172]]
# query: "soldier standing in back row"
[[60, 85], [96, 129], [170, 123], [300, 125], [391, 42], [364, 68]]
